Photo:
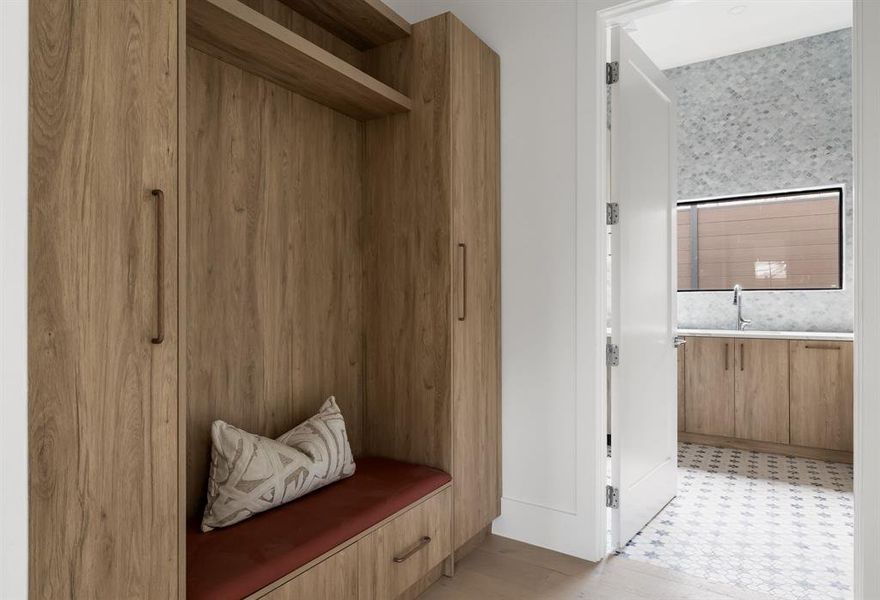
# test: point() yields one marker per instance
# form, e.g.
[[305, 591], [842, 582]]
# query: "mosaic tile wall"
[[773, 118]]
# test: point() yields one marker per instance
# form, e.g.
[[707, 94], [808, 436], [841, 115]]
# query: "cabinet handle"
[[160, 266], [421, 544], [809, 347], [742, 357], [726, 357], [462, 289]]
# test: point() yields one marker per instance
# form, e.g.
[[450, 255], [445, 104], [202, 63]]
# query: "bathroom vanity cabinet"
[[761, 390], [709, 386], [792, 396], [822, 394]]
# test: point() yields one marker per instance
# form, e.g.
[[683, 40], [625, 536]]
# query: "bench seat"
[[236, 561]]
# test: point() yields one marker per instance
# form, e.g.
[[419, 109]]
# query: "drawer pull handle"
[[809, 347], [422, 543]]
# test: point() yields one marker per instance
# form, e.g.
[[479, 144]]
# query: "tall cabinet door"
[[761, 396], [476, 351], [103, 396], [708, 386]]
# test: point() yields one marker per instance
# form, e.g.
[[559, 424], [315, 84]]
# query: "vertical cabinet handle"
[[726, 357], [742, 357], [159, 195], [462, 288]]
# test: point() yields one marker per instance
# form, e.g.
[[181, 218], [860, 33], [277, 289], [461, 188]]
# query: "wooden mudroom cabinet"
[[238, 208], [440, 243], [102, 300]]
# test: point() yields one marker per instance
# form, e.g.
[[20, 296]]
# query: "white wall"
[[13, 297], [549, 444], [866, 46]]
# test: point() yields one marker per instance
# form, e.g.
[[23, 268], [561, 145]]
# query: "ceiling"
[[687, 31]]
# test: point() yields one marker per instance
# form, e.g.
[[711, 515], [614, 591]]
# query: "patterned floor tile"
[[773, 524]]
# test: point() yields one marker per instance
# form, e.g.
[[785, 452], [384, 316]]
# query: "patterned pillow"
[[251, 473]]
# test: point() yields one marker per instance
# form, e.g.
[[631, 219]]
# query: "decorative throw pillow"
[[251, 473]]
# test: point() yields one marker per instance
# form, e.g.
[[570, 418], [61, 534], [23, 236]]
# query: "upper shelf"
[[362, 23], [237, 34]]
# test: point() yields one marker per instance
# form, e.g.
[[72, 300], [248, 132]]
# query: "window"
[[779, 241]]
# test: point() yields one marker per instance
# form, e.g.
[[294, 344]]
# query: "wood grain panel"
[[407, 258], [182, 313], [763, 245], [239, 35], [794, 266], [822, 394], [822, 204], [790, 282], [274, 260], [762, 390], [764, 240], [335, 577], [801, 223], [380, 576], [817, 251], [683, 239], [284, 15], [102, 399], [476, 338], [362, 23], [709, 385]]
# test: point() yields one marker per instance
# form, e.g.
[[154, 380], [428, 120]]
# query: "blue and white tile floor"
[[773, 524]]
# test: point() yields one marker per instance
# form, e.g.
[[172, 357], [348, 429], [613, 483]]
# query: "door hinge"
[[612, 355], [612, 497], [612, 213], [612, 72]]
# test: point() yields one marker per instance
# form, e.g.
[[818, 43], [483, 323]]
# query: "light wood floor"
[[504, 569]]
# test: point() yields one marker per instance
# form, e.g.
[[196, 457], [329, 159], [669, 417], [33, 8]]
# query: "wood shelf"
[[234, 33], [364, 24]]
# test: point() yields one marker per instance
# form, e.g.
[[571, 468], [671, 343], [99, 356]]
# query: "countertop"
[[778, 335]]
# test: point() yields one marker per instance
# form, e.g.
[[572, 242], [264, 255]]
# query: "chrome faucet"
[[741, 323]]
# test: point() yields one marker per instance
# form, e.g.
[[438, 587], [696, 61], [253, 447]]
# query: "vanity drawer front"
[[393, 558]]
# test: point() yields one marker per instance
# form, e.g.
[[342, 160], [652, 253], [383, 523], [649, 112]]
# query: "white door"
[[644, 384]]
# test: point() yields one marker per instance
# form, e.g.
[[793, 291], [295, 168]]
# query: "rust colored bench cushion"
[[236, 561]]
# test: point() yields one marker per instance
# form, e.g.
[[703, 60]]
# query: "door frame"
[[592, 196]]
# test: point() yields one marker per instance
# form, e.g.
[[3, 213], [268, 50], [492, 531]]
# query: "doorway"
[[709, 459]]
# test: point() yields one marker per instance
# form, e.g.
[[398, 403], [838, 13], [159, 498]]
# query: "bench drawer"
[[336, 577], [398, 555]]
